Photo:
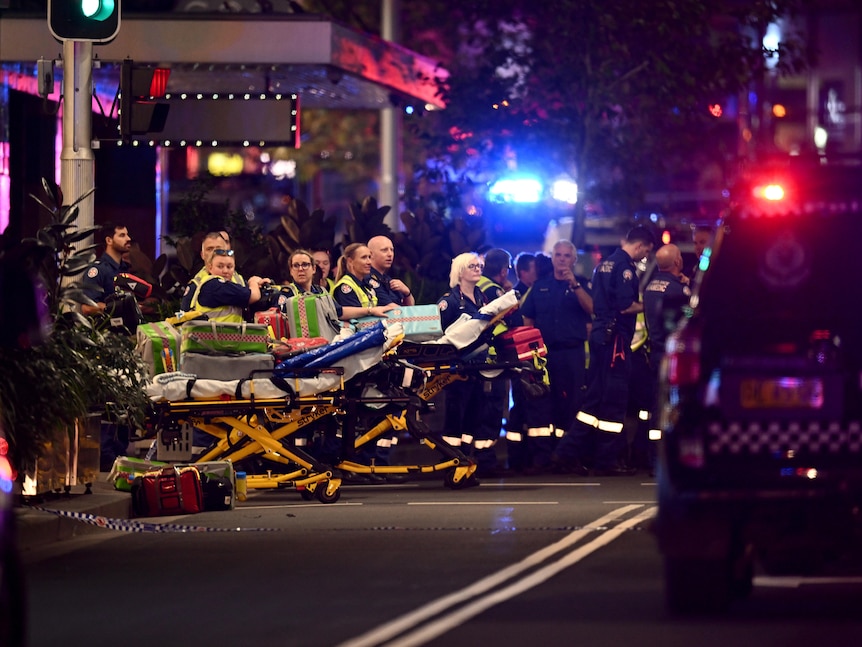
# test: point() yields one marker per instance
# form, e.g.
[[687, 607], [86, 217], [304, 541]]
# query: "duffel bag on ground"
[[223, 338], [226, 367], [167, 491]]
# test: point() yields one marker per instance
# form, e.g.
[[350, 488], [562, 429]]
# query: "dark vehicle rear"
[[761, 459]]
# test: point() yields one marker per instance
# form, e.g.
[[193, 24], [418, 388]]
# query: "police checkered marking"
[[132, 525], [775, 437]]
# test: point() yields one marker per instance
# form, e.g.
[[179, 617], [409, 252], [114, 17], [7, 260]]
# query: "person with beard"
[[98, 281]]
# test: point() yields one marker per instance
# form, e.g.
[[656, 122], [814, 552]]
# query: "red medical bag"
[[520, 343], [167, 491]]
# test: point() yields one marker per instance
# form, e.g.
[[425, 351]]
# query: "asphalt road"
[[514, 562]]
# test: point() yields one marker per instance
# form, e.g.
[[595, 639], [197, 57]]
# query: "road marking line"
[[483, 503], [791, 582], [410, 620]]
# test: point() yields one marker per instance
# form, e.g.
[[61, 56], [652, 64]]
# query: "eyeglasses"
[[223, 252], [300, 266], [476, 266]]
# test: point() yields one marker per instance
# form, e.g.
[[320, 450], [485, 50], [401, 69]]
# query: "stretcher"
[[256, 420]]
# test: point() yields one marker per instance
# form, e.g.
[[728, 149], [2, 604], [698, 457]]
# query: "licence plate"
[[782, 393]]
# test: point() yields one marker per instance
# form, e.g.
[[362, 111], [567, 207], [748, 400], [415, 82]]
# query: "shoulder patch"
[[346, 289], [686, 291], [443, 305], [93, 272], [186, 291], [499, 292], [373, 282], [628, 275]]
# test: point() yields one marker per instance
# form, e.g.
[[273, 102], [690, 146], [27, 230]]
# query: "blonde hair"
[[459, 264], [348, 253]]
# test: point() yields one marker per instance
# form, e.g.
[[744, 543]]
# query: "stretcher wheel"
[[324, 495], [449, 481]]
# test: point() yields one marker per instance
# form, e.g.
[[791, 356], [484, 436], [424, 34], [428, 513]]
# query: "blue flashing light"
[[516, 189], [565, 190], [409, 110]]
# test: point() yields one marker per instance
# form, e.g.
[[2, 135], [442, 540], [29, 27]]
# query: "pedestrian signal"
[[140, 113]]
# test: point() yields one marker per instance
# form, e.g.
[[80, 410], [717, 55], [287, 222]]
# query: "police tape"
[[131, 525]]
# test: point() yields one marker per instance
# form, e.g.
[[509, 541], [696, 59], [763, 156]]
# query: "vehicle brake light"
[[771, 192], [682, 359]]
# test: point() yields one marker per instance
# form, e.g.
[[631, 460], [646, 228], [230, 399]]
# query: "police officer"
[[388, 289], [470, 422], [98, 281], [601, 417], [561, 307]]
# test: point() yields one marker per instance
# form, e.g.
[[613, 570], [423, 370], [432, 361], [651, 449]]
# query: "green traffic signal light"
[[97, 21], [97, 9]]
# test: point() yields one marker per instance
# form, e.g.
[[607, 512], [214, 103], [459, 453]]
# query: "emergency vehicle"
[[760, 461]]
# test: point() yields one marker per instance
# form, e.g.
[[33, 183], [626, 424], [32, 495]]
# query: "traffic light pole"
[[76, 158]]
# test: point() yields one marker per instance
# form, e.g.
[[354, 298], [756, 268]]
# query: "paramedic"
[[468, 420], [600, 419], [218, 297], [561, 307], [387, 289], [212, 241], [98, 281], [352, 289]]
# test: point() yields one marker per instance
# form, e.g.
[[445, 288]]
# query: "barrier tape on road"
[[132, 525]]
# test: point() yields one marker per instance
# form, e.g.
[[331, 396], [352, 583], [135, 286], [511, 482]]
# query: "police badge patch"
[[93, 272], [373, 282], [346, 289], [628, 275], [442, 305]]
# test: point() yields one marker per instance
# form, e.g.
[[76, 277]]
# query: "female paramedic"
[[471, 422], [221, 299], [352, 289]]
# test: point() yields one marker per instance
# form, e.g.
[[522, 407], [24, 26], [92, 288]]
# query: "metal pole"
[[76, 158], [390, 129]]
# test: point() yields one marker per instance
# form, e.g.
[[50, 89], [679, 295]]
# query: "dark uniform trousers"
[[474, 416], [597, 436], [643, 394]]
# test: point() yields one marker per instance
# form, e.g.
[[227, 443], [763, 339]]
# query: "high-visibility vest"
[[365, 299], [641, 334], [230, 314]]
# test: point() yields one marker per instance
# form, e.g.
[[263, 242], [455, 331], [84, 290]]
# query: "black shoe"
[[354, 478], [616, 471]]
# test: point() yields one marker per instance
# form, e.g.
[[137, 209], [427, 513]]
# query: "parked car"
[[761, 455]]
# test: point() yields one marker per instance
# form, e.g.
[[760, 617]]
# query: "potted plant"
[[59, 367]]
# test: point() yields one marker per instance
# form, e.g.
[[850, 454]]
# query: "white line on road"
[[483, 503], [410, 620], [789, 582]]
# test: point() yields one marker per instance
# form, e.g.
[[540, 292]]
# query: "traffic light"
[[97, 21], [139, 86]]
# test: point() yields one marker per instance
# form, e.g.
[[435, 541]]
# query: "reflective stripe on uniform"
[[514, 436], [541, 432], [643, 414], [655, 434], [454, 441], [610, 427]]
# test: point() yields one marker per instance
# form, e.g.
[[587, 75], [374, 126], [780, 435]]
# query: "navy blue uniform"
[[380, 282], [219, 292], [599, 422], [664, 298], [471, 417], [556, 312], [345, 293], [98, 281]]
